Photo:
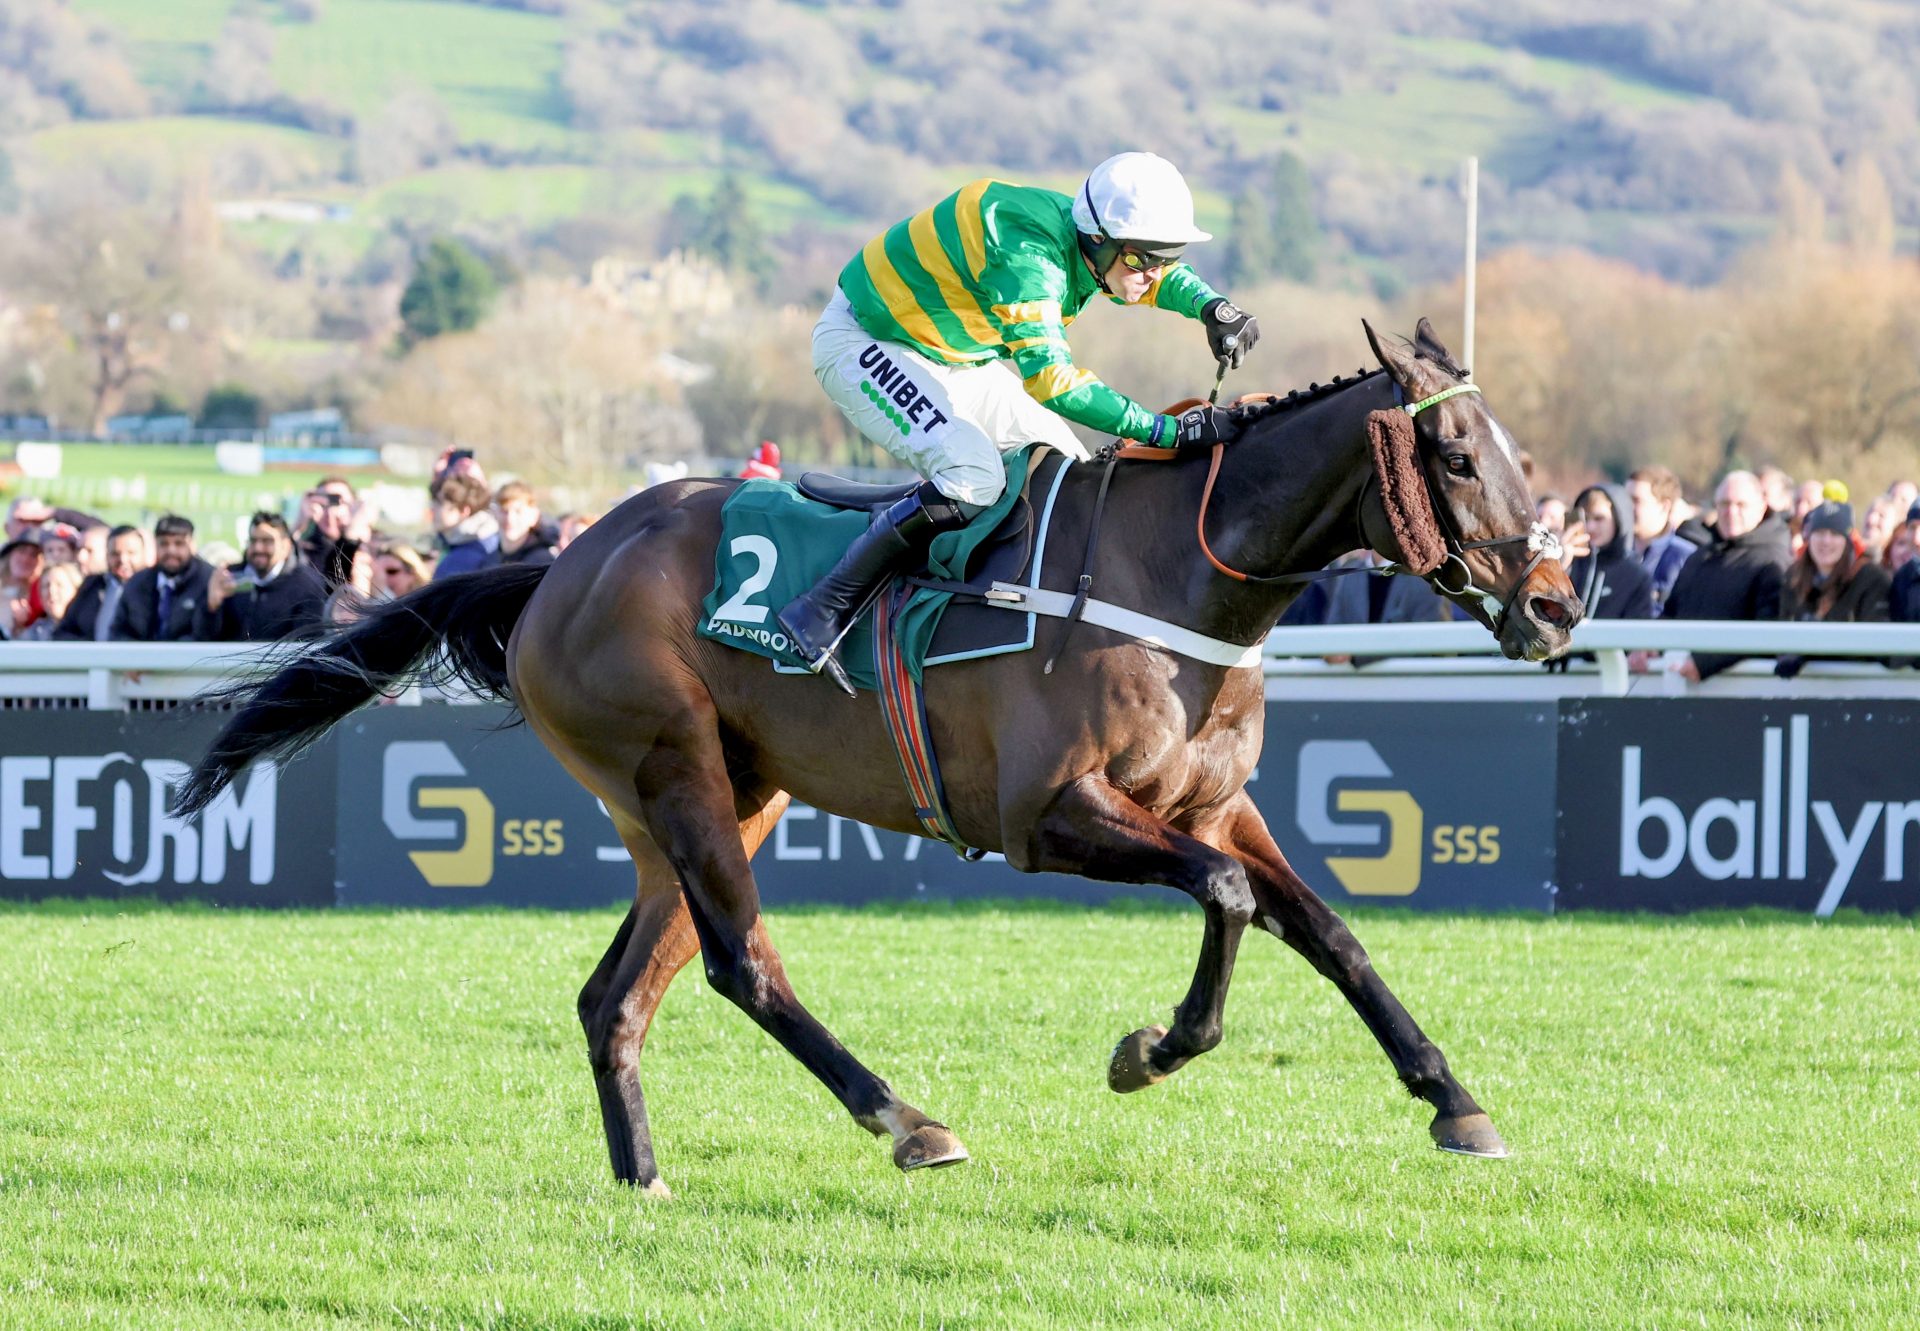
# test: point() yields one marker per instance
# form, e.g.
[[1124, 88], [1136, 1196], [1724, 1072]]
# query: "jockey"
[[911, 343]]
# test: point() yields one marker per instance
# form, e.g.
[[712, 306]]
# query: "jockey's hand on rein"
[[1204, 426], [1231, 331]]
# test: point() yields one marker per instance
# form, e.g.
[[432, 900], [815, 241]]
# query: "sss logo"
[[1397, 823], [469, 860]]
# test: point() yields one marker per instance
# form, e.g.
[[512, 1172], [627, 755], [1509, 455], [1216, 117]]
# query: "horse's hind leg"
[[688, 806], [1094, 830], [617, 1006], [1287, 907], [619, 999]]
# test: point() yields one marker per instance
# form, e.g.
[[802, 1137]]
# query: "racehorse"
[[1125, 764]]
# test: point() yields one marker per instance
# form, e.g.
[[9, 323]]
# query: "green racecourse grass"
[[230, 1119]]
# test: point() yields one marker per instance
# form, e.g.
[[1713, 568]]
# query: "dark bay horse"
[[1126, 764]]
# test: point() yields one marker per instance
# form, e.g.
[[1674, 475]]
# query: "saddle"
[[969, 628], [778, 537], [839, 492]]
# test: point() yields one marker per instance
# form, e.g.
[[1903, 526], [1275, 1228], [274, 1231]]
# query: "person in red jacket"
[[764, 465]]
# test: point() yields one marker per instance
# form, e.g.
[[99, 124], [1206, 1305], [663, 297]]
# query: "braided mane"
[[1247, 413]]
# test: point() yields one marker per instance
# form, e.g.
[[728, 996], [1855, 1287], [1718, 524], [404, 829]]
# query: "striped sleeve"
[[1026, 307]]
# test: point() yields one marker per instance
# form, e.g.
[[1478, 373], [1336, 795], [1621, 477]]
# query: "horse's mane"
[[1260, 408]]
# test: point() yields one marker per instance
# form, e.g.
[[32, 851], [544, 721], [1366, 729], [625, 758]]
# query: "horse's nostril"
[[1548, 612]]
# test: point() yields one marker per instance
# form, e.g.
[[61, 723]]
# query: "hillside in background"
[[549, 125], [211, 201]]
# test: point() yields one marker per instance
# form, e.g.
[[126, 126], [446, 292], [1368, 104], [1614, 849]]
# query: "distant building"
[[320, 422], [680, 284], [282, 210]]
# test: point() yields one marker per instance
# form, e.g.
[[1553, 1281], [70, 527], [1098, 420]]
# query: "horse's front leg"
[[1288, 908], [1094, 830]]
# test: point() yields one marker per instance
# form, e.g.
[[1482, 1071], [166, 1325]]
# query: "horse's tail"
[[451, 629]]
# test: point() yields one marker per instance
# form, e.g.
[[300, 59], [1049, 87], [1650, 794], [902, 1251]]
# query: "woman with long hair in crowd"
[[1832, 580]]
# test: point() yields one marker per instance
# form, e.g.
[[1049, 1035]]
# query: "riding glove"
[[1231, 331], [1202, 427]]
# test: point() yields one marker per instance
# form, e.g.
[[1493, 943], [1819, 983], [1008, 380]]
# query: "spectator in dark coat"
[[1610, 578], [160, 602], [1904, 601], [468, 534], [525, 537], [269, 595], [1833, 581], [90, 617], [1739, 575]]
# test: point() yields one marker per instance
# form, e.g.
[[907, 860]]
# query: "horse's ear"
[[1429, 347], [1394, 359]]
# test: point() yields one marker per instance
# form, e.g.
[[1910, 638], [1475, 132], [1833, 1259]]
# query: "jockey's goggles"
[[1140, 261]]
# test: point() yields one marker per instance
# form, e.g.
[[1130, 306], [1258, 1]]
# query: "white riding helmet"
[[1139, 197]]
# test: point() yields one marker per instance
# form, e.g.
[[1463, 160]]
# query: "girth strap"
[[904, 708]]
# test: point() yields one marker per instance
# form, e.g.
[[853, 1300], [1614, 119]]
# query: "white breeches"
[[949, 423]]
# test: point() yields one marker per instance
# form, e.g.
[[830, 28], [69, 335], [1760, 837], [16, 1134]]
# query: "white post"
[[1473, 233]]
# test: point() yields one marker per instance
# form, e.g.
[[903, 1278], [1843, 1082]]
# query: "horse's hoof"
[[657, 1187], [929, 1146], [1469, 1134], [1130, 1068]]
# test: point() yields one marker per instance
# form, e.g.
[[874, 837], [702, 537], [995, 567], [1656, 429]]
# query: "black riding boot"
[[898, 539]]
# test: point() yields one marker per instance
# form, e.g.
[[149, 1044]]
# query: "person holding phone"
[[333, 523], [269, 595]]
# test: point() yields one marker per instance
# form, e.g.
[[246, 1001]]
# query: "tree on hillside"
[[411, 131], [1296, 228], [1866, 210], [121, 291], [723, 228], [1252, 255], [1273, 231], [56, 64], [451, 290], [240, 72], [555, 383]]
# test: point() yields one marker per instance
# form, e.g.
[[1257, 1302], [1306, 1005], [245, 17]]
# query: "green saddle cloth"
[[775, 543]]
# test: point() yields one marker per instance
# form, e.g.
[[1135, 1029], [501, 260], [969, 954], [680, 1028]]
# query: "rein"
[[1541, 542]]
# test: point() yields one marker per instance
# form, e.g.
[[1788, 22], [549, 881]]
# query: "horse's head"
[[1469, 521]]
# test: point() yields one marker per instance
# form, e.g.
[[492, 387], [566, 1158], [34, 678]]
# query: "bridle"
[[1541, 543]]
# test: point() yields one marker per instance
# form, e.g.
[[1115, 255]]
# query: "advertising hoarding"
[[1692, 804], [85, 800]]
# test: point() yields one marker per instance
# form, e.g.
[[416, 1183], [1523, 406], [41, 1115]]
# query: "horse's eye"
[[1459, 464]]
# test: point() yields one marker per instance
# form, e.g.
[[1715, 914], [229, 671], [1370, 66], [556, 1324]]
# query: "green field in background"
[[232, 1119], [138, 482]]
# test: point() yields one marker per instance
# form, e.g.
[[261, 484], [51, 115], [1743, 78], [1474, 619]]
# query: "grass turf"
[[226, 1119]]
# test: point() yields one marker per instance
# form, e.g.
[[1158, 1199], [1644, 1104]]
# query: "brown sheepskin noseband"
[[1403, 490]]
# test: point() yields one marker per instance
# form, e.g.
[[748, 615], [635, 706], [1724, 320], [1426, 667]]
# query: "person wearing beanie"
[[1831, 581]]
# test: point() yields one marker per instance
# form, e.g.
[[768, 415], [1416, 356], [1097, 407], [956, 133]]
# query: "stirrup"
[[828, 661], [829, 665]]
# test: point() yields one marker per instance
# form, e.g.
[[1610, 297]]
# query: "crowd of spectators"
[[67, 575], [1767, 549]]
